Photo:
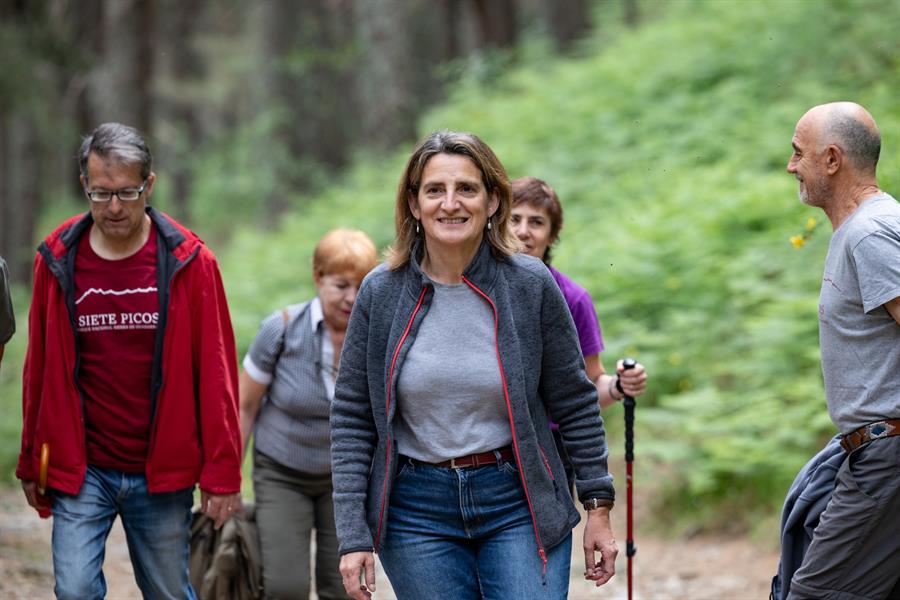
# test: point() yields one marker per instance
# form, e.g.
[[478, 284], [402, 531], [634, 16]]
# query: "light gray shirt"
[[450, 396], [296, 362], [860, 340]]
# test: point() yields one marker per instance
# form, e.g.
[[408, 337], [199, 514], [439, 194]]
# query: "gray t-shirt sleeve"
[[265, 348], [7, 319], [877, 260]]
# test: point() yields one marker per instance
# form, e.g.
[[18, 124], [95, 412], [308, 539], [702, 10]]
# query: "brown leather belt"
[[867, 433], [472, 460]]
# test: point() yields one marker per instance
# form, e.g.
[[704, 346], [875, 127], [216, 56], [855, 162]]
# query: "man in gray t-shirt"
[[859, 336], [855, 547], [7, 320]]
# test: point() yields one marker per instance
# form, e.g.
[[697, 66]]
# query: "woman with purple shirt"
[[537, 219]]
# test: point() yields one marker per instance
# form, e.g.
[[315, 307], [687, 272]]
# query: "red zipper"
[[537, 536], [387, 412]]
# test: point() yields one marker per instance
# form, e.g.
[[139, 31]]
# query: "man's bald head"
[[850, 127]]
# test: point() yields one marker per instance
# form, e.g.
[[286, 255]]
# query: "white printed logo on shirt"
[[118, 321]]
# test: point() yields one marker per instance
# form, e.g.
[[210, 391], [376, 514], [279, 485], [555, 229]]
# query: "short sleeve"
[[877, 259], [585, 317], [259, 363], [7, 319]]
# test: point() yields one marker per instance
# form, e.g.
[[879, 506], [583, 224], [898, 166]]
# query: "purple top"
[[582, 308]]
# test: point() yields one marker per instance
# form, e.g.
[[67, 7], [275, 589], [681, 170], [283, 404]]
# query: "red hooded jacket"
[[194, 433]]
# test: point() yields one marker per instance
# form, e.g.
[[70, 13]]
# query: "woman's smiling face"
[[531, 224], [452, 204]]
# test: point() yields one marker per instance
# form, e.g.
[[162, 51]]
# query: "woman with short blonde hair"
[[286, 389]]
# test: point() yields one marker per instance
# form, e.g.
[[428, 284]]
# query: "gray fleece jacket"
[[542, 371]]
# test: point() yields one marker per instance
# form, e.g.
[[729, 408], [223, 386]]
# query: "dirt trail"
[[700, 568]]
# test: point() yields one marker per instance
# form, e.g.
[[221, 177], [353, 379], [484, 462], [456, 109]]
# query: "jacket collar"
[[177, 240], [481, 272], [483, 269]]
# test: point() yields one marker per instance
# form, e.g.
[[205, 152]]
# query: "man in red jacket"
[[130, 382]]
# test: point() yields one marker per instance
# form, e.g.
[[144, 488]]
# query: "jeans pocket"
[[406, 467], [509, 467], [872, 467]]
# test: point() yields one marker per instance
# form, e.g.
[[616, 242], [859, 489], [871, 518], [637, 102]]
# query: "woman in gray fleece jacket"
[[457, 354]]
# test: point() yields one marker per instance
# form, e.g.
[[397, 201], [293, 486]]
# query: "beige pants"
[[290, 506]]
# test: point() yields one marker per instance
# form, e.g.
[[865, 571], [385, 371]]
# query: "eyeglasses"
[[127, 195]]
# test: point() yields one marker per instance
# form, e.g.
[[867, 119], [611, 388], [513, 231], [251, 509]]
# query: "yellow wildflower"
[[798, 241]]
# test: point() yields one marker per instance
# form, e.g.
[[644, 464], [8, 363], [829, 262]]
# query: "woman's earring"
[[417, 226], [489, 224]]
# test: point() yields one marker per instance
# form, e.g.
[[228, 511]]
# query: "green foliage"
[[266, 271], [668, 147], [238, 173]]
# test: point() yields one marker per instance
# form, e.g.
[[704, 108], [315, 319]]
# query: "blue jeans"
[[467, 533], [157, 527]]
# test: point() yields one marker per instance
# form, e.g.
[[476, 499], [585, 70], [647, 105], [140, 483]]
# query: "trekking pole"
[[628, 401]]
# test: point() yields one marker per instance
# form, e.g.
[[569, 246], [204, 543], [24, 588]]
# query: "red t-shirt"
[[116, 312]]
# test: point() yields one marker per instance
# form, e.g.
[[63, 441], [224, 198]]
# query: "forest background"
[[665, 127]]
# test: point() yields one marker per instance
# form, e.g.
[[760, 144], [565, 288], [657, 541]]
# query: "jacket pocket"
[[546, 462]]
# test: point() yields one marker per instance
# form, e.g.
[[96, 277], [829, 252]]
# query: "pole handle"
[[629, 403]]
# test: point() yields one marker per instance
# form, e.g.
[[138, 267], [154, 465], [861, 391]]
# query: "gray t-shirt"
[[450, 396], [7, 320], [860, 340]]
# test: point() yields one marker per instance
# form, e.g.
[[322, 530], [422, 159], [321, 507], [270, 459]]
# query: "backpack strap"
[[285, 317]]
